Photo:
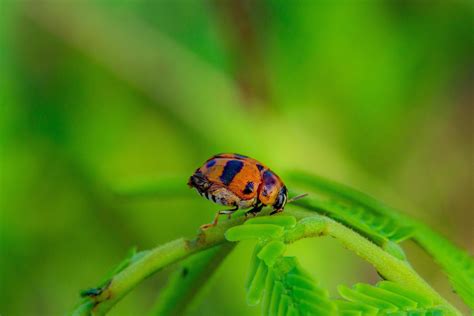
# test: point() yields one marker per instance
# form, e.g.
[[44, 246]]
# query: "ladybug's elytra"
[[241, 182]]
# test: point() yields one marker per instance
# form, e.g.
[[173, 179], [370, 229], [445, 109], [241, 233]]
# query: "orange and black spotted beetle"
[[239, 181]]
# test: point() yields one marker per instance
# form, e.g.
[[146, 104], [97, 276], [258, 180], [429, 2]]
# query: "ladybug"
[[240, 182]]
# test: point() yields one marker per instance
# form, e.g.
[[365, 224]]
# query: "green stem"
[[100, 301], [390, 267], [189, 280], [310, 225], [457, 263]]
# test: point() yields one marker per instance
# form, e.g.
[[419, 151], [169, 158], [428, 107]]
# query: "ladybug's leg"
[[216, 217], [255, 210], [228, 212]]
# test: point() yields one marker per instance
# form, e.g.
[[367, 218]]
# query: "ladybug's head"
[[281, 199], [199, 181]]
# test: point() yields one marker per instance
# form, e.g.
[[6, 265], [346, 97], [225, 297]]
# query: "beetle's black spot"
[[260, 167], [211, 163], [248, 188], [184, 272], [231, 169], [268, 178]]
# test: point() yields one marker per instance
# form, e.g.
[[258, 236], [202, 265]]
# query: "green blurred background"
[[98, 96]]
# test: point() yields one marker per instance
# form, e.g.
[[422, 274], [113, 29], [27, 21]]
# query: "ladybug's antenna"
[[297, 197]]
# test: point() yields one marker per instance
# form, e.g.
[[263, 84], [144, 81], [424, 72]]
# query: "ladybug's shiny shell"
[[239, 181]]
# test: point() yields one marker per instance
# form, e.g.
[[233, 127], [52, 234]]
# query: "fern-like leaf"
[[386, 298], [300, 292], [354, 209], [385, 225], [379, 228], [457, 264], [279, 281]]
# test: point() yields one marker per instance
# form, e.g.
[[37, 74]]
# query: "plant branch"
[[311, 225], [390, 267], [457, 263], [188, 281], [101, 300]]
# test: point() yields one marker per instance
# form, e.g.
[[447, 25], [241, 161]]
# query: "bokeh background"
[[101, 96]]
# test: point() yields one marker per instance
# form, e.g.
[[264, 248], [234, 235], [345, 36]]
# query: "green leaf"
[[382, 224], [456, 263], [362, 308], [285, 287], [356, 296], [402, 290], [377, 227], [303, 293], [277, 292], [254, 263], [353, 208], [255, 290], [299, 281], [285, 301], [257, 231], [267, 299], [280, 220], [394, 298], [271, 252], [386, 298], [292, 311]]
